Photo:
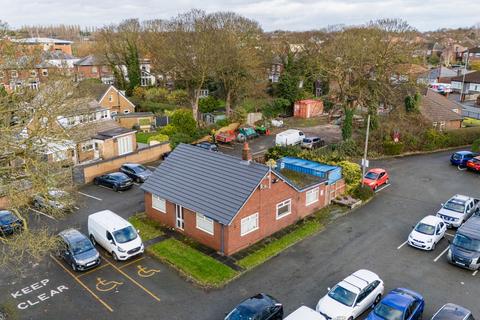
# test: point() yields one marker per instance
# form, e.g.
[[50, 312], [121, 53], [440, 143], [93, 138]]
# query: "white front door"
[[180, 223], [124, 145]]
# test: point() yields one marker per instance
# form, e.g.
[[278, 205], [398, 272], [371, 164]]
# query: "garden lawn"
[[148, 228], [142, 137], [471, 122], [203, 269]]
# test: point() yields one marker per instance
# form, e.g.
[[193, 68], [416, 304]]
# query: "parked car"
[[474, 164], [452, 311], [304, 313], [427, 233], [375, 178], [460, 158], [208, 146], [312, 142], [78, 251], [289, 137], [464, 250], [259, 307], [116, 180], [352, 296], [53, 199], [115, 234], [458, 209], [9, 223], [136, 171], [399, 304]]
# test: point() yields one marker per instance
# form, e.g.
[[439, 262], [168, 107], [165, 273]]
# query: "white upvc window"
[[284, 208], [312, 196], [204, 223], [159, 204], [249, 224]]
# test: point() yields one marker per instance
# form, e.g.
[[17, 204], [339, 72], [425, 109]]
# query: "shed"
[[308, 108], [331, 173]]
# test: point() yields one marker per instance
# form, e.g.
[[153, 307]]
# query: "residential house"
[[115, 101], [434, 49], [47, 44], [147, 79], [468, 85], [228, 203], [471, 55], [91, 67], [275, 70], [452, 54], [443, 113], [437, 75]]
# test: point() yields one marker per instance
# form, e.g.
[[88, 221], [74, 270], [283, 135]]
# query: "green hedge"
[[363, 192], [393, 148], [476, 145]]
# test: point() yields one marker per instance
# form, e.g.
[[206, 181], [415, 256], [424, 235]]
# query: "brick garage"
[[227, 203]]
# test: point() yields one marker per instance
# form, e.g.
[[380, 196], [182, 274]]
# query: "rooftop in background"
[[42, 41], [437, 107], [473, 77], [135, 115], [107, 134]]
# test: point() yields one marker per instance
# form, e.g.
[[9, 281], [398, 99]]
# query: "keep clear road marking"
[[87, 195], [131, 279], [441, 254], [82, 284], [400, 246]]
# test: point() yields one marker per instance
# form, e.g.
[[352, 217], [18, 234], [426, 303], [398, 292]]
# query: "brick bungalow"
[[443, 113], [116, 101], [227, 203]]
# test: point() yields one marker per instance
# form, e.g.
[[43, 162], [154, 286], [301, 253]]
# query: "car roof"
[[451, 311], [358, 280], [71, 235], [257, 302], [431, 220], [109, 220], [376, 170], [460, 197], [464, 152], [5, 213], [117, 174], [131, 165], [400, 298], [471, 228], [304, 313]]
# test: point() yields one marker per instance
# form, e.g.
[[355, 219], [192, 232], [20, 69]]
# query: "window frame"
[[158, 198], [204, 218], [247, 219], [281, 204], [317, 189]]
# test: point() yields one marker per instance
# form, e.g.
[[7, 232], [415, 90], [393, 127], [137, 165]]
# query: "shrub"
[[352, 174], [156, 94], [435, 139], [178, 97], [183, 121], [180, 137], [223, 123], [209, 104], [168, 130], [158, 137], [393, 148], [278, 152], [476, 145], [363, 193], [347, 126]]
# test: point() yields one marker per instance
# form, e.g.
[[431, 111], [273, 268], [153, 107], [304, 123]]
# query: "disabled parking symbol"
[[105, 286], [145, 272]]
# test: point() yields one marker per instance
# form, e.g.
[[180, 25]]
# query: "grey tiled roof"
[[211, 183]]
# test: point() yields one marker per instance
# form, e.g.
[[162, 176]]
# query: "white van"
[[304, 313], [289, 137], [115, 234]]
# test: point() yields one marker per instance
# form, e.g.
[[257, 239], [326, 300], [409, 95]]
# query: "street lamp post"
[[364, 160], [463, 80]]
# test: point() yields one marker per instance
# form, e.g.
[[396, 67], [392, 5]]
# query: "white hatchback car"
[[427, 233], [352, 296]]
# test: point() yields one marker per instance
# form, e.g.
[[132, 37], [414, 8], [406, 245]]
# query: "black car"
[[78, 251], [136, 171], [452, 311], [208, 146], [259, 307], [9, 223], [116, 180]]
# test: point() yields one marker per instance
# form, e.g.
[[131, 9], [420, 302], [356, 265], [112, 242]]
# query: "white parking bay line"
[[400, 246], [87, 195], [449, 234], [43, 214], [441, 254], [384, 187], [151, 167], [474, 273]]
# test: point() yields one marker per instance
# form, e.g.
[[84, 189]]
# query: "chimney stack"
[[246, 154]]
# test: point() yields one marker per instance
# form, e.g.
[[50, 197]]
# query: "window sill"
[[244, 234], [207, 232], [283, 215]]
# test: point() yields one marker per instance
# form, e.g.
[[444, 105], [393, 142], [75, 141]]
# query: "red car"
[[375, 178], [474, 164]]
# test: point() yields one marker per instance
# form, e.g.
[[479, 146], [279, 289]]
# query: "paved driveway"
[[370, 237]]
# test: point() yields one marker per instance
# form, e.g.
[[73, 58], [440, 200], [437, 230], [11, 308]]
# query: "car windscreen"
[[371, 176], [306, 140], [454, 206], [342, 295], [125, 235], [475, 160], [81, 246], [119, 177], [139, 169], [241, 313], [7, 218], [466, 242], [457, 156], [425, 228], [387, 312]]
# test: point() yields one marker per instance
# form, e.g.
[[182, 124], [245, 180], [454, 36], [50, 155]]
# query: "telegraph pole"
[[464, 73], [364, 160]]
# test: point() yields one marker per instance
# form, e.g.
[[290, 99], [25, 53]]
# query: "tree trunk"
[[228, 103], [195, 99]]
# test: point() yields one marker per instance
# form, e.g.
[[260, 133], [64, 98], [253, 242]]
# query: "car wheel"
[[377, 299], [433, 246], [138, 180], [375, 188], [95, 182], [92, 239], [351, 318], [387, 181], [115, 188], [114, 256], [74, 267]]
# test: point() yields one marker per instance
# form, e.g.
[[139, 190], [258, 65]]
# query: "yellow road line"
[[131, 262], [93, 270], [82, 284], [133, 280]]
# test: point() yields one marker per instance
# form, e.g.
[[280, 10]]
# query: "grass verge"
[[142, 137], [471, 122], [148, 228], [299, 232], [202, 269]]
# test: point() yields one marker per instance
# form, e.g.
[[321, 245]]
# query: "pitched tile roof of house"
[[88, 61], [472, 77], [436, 107], [135, 115], [210, 183]]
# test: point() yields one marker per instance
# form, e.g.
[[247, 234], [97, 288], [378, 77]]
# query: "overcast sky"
[[272, 14]]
